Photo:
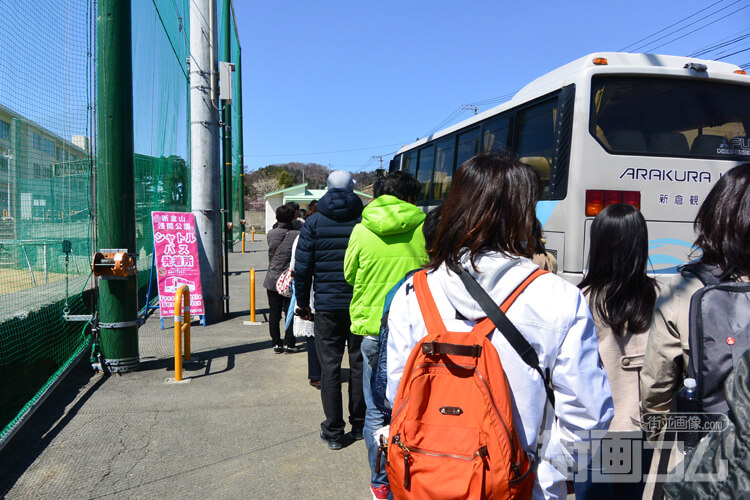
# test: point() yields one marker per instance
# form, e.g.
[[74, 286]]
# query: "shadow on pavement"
[[202, 360], [51, 417]]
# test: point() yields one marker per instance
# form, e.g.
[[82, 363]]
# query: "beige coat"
[[668, 349], [666, 360], [622, 356]]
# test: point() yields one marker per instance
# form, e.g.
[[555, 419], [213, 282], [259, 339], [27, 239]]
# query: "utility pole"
[[205, 178], [115, 183], [380, 173]]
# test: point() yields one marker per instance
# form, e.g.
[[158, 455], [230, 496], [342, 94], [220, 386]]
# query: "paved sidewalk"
[[246, 426]]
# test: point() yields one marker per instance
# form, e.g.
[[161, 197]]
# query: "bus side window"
[[496, 135], [441, 180], [410, 163], [468, 146], [395, 164], [424, 172], [535, 140]]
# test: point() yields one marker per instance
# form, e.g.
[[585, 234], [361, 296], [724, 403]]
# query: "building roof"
[[301, 193], [13, 114], [304, 186]]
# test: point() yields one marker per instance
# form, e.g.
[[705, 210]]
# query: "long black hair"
[[723, 223], [620, 291]]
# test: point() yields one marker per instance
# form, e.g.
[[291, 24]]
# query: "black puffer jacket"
[[280, 240], [321, 249]]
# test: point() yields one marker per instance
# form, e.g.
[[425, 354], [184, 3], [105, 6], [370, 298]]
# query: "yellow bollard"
[[252, 301], [181, 327], [252, 295], [243, 241], [253, 233]]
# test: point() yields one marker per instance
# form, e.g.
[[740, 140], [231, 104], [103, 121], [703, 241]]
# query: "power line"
[[733, 53], [688, 26], [698, 29], [733, 39], [671, 25], [325, 152], [455, 114], [493, 100], [472, 106], [727, 49]]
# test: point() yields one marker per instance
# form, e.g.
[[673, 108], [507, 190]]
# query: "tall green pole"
[[227, 155], [240, 136], [115, 183]]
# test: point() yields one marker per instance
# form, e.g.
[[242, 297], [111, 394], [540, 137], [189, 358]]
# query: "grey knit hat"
[[340, 179]]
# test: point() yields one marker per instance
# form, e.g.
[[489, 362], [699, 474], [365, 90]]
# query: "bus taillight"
[[597, 199], [632, 198]]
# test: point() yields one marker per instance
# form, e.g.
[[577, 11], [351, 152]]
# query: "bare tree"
[[262, 186]]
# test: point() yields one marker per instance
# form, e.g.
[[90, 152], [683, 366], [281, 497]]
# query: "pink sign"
[[177, 260]]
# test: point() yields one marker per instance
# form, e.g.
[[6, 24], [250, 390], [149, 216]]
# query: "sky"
[[338, 82]]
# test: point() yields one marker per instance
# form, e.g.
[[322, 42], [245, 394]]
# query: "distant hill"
[[274, 177]]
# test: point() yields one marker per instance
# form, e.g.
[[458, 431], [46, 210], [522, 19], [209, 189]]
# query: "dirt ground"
[[16, 280]]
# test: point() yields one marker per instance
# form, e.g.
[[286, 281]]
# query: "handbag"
[[303, 327], [284, 284]]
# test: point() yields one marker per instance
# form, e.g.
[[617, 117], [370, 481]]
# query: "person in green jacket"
[[386, 245]]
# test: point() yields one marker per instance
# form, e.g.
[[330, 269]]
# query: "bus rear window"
[[671, 117]]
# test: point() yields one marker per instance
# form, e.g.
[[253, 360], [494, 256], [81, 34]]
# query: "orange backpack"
[[452, 433]]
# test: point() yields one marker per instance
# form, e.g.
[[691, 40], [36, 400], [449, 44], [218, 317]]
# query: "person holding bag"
[[280, 240], [305, 328]]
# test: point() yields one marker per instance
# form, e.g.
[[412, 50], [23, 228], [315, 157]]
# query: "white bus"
[[650, 130]]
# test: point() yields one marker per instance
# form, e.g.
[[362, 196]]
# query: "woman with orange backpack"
[[482, 412]]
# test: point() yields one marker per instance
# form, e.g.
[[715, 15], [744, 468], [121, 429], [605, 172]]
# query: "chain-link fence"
[[48, 143]]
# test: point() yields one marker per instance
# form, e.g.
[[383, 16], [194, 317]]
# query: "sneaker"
[[381, 492], [290, 350], [333, 444], [277, 349], [356, 434]]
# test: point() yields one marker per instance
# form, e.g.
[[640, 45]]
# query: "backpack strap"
[[427, 306], [431, 313], [504, 325]]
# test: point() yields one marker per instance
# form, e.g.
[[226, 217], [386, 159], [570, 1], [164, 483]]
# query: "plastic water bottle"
[[688, 402]]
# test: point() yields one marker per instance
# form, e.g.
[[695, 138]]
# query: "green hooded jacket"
[[386, 245]]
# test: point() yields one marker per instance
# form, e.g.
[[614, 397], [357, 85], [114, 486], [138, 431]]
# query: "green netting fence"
[[161, 119], [48, 143], [236, 188], [45, 196]]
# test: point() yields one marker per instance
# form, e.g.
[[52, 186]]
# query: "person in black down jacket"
[[320, 255], [280, 241]]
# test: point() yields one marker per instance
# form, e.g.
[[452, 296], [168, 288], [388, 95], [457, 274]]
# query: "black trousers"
[[332, 336], [278, 303], [313, 363]]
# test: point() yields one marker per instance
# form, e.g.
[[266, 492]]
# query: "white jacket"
[[554, 318]]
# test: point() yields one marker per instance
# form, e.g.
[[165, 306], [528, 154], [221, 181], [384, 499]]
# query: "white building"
[[301, 195]]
